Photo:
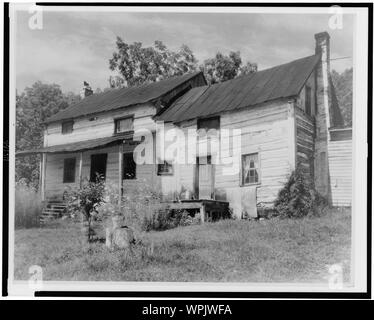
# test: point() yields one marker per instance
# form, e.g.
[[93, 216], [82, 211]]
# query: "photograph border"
[[189, 294]]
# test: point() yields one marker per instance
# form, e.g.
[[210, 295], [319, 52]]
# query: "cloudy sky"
[[76, 46]]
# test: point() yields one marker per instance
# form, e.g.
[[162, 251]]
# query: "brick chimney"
[[86, 91], [323, 102]]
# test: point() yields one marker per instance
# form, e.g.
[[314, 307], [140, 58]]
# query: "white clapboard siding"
[[265, 129], [103, 126], [340, 166]]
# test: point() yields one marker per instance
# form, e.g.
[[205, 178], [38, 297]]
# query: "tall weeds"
[[28, 206]]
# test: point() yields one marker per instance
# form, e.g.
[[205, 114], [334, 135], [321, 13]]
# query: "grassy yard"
[[231, 250]]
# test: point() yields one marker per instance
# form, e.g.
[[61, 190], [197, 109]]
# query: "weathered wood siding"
[[269, 131], [305, 134], [340, 166], [145, 174], [183, 173], [103, 126]]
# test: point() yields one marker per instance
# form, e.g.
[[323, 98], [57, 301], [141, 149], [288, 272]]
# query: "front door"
[[98, 166], [205, 177]]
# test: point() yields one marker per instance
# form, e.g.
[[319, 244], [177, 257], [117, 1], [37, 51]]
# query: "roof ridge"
[[277, 82], [115, 95]]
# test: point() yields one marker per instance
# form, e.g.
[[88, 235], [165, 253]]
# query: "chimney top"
[[322, 35], [323, 45], [86, 91]]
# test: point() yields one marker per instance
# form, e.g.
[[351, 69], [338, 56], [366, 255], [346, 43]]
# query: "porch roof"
[[79, 146]]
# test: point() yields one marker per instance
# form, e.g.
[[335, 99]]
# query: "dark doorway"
[[98, 165]]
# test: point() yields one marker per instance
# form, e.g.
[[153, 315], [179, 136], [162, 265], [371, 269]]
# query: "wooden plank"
[[184, 205], [202, 214]]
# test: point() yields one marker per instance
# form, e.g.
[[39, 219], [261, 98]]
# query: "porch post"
[[80, 168], [120, 172], [42, 175], [202, 212]]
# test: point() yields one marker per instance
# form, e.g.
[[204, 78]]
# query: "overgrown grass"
[[231, 250], [28, 206]]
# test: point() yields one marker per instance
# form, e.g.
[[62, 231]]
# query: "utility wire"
[[341, 58]]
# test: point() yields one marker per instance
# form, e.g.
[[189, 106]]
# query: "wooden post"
[[202, 213], [42, 173], [120, 172], [80, 168]]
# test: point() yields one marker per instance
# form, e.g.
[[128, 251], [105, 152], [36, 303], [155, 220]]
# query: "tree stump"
[[118, 236]]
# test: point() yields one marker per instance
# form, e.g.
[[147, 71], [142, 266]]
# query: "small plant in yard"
[[298, 198], [86, 201], [28, 206]]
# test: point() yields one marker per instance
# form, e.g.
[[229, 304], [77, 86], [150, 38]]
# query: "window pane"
[[211, 123], [165, 168], [250, 168], [124, 125], [67, 127]]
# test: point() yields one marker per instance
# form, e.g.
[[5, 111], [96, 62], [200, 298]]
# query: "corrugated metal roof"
[[282, 81], [79, 146], [123, 97]]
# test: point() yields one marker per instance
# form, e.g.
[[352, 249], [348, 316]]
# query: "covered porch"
[[68, 165]]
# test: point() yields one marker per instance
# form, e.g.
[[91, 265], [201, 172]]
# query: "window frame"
[[117, 120], [258, 168], [65, 172], [125, 155], [160, 173], [65, 123]]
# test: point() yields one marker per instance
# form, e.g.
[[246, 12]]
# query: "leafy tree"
[[222, 68], [137, 65], [343, 87], [33, 106]]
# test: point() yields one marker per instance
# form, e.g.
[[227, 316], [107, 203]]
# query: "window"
[[308, 100], [67, 127], [207, 124], [129, 166], [124, 125], [69, 170], [250, 169], [165, 169]]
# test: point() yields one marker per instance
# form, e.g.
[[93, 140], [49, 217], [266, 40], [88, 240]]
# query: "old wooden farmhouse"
[[288, 116]]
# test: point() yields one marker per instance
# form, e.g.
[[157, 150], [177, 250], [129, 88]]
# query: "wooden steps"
[[52, 210]]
